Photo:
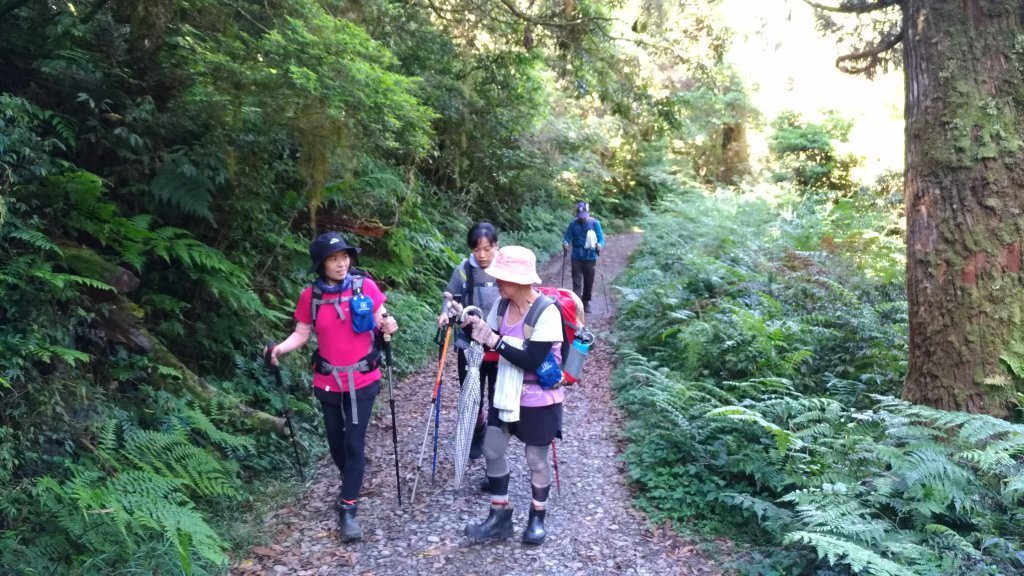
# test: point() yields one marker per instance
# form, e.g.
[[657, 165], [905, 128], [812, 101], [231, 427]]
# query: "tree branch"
[[856, 8], [527, 18], [868, 54]]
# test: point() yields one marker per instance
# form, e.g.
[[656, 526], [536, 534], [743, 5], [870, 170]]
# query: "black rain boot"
[[476, 446], [498, 526], [534, 533], [347, 524]]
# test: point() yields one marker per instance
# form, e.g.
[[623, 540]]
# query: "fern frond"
[[784, 440], [839, 551], [36, 239]]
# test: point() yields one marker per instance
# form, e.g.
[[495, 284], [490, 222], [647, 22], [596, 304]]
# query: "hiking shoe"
[[586, 307]]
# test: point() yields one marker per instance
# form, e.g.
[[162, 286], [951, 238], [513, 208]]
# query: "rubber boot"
[[534, 533], [348, 527], [498, 526], [476, 446]]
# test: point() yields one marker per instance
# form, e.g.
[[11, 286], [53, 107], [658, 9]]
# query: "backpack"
[[318, 295], [569, 306], [468, 287], [358, 276]]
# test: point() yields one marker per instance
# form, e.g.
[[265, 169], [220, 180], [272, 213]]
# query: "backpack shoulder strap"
[[467, 283], [357, 284], [590, 224], [533, 314], [502, 308], [316, 299]]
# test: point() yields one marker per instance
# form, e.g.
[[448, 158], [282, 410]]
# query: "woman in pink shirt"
[[347, 311], [525, 328]]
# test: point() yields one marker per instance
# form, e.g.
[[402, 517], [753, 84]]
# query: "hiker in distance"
[[471, 285], [586, 238], [525, 328], [346, 309]]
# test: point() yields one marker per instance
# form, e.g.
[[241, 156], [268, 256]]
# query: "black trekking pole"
[[564, 254], [604, 287], [389, 358], [284, 406]]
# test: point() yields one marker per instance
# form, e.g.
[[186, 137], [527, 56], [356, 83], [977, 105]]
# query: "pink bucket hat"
[[515, 264]]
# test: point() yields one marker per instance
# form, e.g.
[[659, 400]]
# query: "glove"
[[482, 333]]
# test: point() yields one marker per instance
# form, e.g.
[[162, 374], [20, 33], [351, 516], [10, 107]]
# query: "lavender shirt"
[[548, 329]]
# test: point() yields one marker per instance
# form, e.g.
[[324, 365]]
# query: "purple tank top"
[[533, 396]]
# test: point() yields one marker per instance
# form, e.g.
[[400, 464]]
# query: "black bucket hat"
[[326, 244]]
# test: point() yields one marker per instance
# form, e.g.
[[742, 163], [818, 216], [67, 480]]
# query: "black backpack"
[[468, 286], [357, 290]]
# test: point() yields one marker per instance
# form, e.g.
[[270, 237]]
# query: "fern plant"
[[759, 379]]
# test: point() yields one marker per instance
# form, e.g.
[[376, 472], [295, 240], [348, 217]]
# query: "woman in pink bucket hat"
[[525, 328]]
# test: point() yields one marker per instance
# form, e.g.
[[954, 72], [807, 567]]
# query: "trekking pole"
[[554, 456], [284, 406], [389, 358], [604, 287], [564, 254], [437, 428], [430, 410]]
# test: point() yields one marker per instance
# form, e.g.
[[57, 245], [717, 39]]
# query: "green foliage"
[[759, 379], [164, 167], [134, 490], [806, 155]]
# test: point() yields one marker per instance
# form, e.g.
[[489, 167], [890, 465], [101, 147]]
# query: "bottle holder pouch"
[[361, 307], [549, 373]]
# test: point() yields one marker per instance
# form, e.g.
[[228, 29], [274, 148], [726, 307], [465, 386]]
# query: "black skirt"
[[536, 426]]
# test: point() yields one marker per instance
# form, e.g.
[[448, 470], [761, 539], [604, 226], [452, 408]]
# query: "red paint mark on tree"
[[974, 266]]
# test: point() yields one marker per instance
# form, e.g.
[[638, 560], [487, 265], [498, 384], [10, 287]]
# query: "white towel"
[[591, 241], [508, 386]]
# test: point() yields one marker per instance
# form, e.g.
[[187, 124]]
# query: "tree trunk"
[[964, 200]]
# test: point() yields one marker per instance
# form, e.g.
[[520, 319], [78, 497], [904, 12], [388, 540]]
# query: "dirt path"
[[592, 526]]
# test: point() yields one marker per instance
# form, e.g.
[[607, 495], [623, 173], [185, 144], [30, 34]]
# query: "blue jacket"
[[576, 236]]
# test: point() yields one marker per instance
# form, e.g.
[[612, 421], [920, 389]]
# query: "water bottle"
[[573, 365]]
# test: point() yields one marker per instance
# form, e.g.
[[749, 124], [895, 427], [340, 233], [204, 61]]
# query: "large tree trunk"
[[964, 199]]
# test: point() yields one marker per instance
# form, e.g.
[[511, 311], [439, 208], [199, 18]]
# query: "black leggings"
[[488, 376], [583, 278], [346, 440]]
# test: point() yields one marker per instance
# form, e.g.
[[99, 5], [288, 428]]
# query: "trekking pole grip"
[[267, 354], [387, 342]]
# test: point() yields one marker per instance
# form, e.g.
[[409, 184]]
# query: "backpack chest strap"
[[336, 302]]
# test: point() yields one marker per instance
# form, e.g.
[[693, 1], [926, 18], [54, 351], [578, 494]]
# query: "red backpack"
[[569, 306]]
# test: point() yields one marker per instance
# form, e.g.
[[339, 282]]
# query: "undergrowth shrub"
[[759, 379]]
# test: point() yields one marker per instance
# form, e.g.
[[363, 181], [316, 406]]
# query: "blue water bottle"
[[573, 365]]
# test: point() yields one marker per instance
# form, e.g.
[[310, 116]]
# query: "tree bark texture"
[[964, 197]]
